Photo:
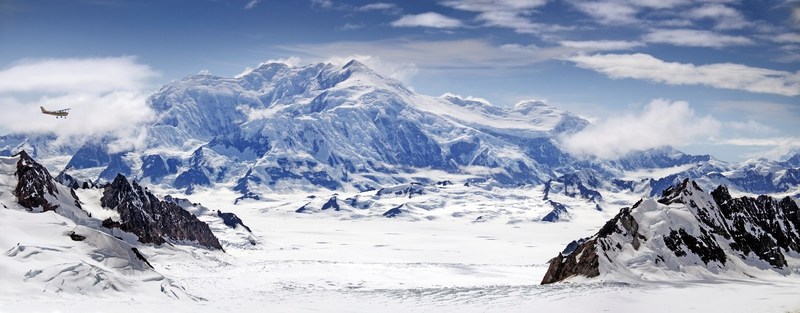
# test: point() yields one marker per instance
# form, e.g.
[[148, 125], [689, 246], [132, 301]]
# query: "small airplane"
[[58, 113]]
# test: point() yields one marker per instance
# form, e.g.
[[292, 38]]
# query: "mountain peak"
[[355, 64]]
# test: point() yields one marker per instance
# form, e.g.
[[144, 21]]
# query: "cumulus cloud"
[[661, 123], [695, 38], [108, 98], [429, 19], [719, 75]]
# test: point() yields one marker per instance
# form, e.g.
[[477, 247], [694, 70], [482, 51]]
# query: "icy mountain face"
[[688, 234], [153, 220], [336, 127]]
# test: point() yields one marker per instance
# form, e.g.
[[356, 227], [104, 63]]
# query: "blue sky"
[[718, 76]]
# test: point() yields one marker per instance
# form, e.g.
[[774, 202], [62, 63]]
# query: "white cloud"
[[601, 45], [399, 71], [787, 38], [661, 123], [513, 14], [771, 148], [429, 19], [351, 26], [108, 98], [448, 54], [389, 8], [719, 75], [608, 12], [796, 15], [94, 75], [695, 38], [325, 4], [725, 16], [761, 110], [251, 4], [751, 127]]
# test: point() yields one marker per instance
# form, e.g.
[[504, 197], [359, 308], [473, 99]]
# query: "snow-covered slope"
[[60, 242], [689, 234]]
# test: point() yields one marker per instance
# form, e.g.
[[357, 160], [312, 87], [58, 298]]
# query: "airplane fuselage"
[[59, 113]]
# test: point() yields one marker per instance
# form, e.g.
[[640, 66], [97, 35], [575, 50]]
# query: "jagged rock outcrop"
[[34, 183], [154, 220], [231, 220], [712, 234]]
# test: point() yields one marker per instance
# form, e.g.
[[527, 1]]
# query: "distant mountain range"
[[322, 126]]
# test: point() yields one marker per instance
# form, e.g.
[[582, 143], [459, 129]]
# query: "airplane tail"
[[43, 110]]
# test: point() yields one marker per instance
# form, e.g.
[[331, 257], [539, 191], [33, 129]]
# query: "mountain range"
[[322, 126]]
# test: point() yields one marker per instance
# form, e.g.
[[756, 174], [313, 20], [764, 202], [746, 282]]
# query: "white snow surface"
[[435, 256]]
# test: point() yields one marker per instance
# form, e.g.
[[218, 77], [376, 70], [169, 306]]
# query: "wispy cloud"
[[441, 54], [758, 109], [602, 45], [108, 97], [770, 147], [251, 4], [429, 19], [695, 38], [325, 4], [661, 123], [725, 16], [608, 12], [351, 26], [787, 38], [389, 8], [513, 14], [719, 75]]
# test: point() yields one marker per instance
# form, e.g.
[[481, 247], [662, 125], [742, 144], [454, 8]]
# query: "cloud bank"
[[108, 98], [661, 123]]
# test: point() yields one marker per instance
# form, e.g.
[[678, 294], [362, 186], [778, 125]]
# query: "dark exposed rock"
[[154, 220], [565, 266], [76, 237], [555, 214], [393, 211], [573, 186], [231, 220], [762, 227], [34, 183], [332, 203], [141, 257], [302, 209]]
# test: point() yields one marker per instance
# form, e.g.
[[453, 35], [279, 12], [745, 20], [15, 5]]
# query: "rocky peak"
[[34, 183], [153, 220], [688, 228]]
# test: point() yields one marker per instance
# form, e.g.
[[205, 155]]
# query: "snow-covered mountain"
[[95, 241], [688, 234], [322, 126]]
